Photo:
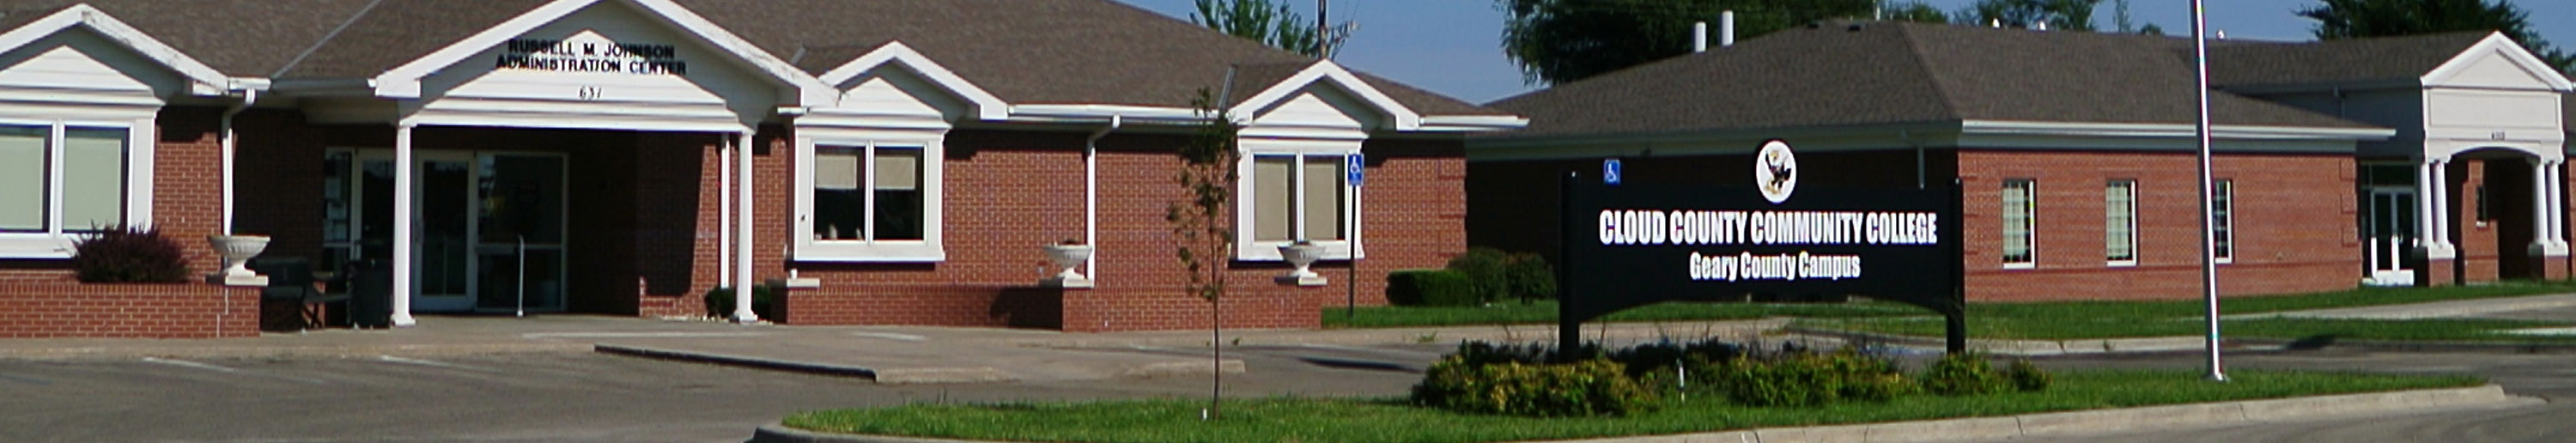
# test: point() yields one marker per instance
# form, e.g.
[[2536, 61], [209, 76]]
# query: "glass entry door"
[[488, 227], [2388, 233]]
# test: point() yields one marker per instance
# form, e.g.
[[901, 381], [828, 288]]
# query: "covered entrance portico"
[[560, 161]]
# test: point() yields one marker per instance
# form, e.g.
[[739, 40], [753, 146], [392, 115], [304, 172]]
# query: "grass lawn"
[[1544, 312], [2081, 320], [1362, 420]]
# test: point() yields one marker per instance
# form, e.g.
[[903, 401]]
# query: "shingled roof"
[[2391, 59], [1874, 73], [1023, 51]]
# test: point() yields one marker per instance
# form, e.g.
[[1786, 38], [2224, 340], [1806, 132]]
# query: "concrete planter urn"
[[1303, 255], [1069, 257], [237, 251]]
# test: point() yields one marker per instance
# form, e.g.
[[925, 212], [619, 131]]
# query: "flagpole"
[[2208, 247]]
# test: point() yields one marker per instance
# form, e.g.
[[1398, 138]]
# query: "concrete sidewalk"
[[2447, 309]]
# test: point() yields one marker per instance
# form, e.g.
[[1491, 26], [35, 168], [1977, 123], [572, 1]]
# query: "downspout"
[[249, 96], [1091, 196]]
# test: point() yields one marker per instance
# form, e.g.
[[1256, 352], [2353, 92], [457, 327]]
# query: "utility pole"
[[1323, 30]]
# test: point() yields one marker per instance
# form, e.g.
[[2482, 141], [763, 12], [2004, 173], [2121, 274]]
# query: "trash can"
[[371, 294]]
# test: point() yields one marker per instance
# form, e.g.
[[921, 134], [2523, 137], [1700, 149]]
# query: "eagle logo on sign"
[[1775, 170]]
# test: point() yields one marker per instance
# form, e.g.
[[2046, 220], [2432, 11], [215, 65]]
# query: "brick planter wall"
[[71, 309]]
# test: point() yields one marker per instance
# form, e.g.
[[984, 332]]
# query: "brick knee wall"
[[70, 309]]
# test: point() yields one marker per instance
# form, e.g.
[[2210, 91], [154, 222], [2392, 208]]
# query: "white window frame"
[[2108, 211], [55, 242], [929, 249], [1248, 249], [2030, 221], [2223, 190]]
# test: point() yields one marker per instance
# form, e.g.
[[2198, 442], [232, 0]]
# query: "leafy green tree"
[[1198, 221], [1263, 21], [1916, 12], [2340, 19], [2151, 29], [1560, 41], [2068, 15]]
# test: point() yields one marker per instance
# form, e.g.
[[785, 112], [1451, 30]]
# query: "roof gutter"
[[2006, 127]]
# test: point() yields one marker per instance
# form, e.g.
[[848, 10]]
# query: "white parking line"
[[889, 336], [429, 363], [196, 365]]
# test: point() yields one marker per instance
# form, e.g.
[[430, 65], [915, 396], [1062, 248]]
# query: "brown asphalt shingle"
[[2408, 58], [1024, 51], [1875, 73]]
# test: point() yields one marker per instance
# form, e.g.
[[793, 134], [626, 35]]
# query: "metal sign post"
[[1356, 167]]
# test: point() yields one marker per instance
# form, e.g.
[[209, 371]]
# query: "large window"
[[57, 179], [1295, 196], [871, 202], [2021, 207], [2222, 219], [2120, 222]]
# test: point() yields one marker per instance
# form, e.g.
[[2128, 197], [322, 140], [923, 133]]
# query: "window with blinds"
[[1298, 197], [2019, 211], [868, 193], [2120, 221], [89, 195]]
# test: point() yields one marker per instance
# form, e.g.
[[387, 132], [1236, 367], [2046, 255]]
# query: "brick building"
[[2075, 152], [889, 161]]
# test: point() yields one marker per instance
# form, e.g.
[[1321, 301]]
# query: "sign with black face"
[[1636, 244]]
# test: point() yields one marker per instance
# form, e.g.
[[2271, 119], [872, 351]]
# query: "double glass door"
[[487, 227], [2388, 233]]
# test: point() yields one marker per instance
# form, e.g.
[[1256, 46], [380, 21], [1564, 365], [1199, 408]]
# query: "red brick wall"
[[2477, 244], [2295, 225], [1010, 193], [68, 309]]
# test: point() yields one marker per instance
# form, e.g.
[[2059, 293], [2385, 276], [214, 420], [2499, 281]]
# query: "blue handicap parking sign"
[[1358, 167], [1610, 171]]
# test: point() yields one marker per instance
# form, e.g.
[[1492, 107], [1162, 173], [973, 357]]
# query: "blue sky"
[[1454, 46]]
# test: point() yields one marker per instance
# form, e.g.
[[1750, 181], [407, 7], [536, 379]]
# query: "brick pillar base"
[[2553, 268], [2438, 272]]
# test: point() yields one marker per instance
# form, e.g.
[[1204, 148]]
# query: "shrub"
[[1484, 269], [1964, 373], [1528, 277], [2027, 377], [1585, 388], [765, 302], [1804, 379], [1430, 287], [120, 254]]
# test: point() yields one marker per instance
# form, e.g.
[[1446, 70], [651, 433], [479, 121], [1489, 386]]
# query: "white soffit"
[[1404, 119], [405, 81], [2000, 127], [205, 79], [987, 107], [2480, 58]]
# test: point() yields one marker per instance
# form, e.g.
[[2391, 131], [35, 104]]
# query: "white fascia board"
[[403, 82], [205, 80], [2512, 51], [1405, 118], [1998, 127], [987, 106], [1472, 123]]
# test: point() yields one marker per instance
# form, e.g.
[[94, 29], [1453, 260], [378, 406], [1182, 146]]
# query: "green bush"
[[1484, 269], [2027, 377], [1963, 373], [1803, 379], [1528, 277], [120, 254], [765, 302], [1586, 388], [1430, 287]]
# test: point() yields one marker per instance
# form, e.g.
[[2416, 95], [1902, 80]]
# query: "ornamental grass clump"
[[1964, 373], [123, 254], [1594, 387]]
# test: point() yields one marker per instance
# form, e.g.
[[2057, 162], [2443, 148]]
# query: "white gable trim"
[[2498, 43], [205, 79], [1405, 118], [987, 107], [403, 82]]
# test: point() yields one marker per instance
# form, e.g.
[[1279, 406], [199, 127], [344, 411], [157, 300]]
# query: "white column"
[[2540, 206], [403, 250], [724, 211], [742, 293], [2554, 188]]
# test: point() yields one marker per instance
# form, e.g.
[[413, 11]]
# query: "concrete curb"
[[2072, 423], [958, 374], [2159, 345]]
